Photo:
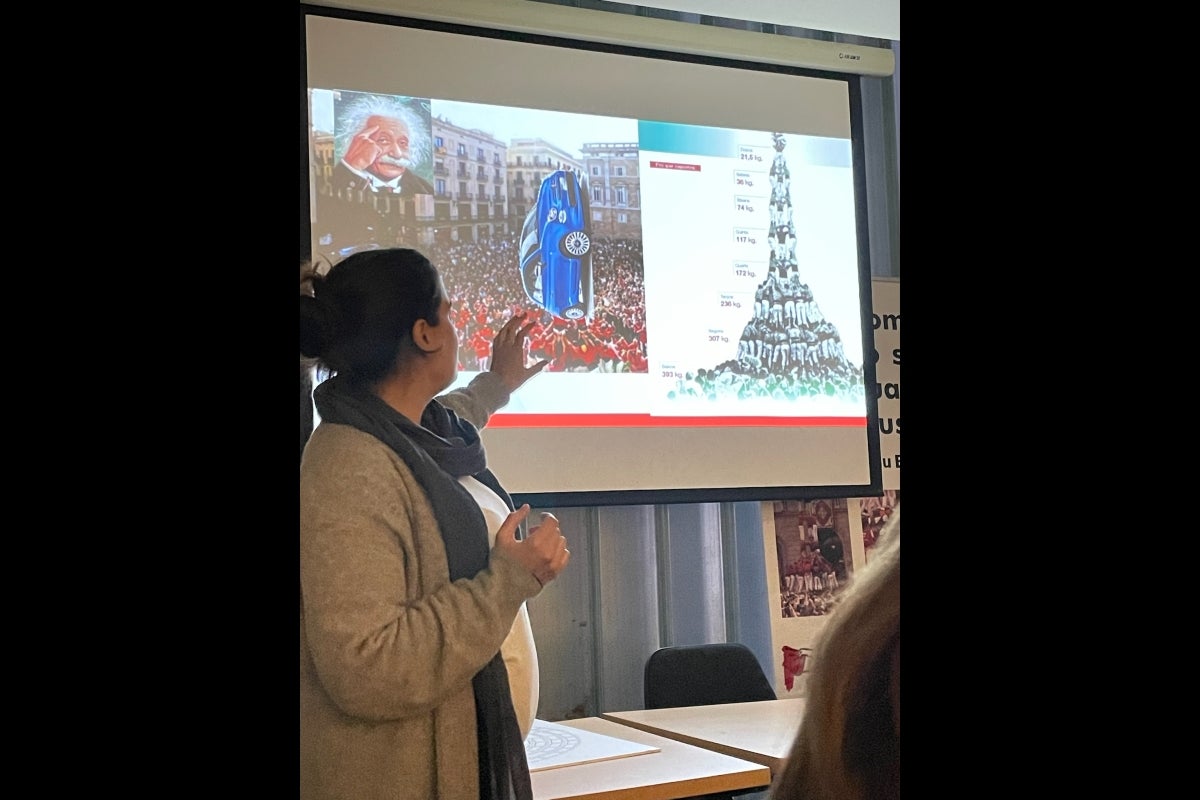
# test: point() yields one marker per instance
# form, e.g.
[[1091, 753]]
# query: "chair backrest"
[[703, 675]]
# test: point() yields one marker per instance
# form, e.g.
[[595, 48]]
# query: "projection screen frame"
[[432, 16]]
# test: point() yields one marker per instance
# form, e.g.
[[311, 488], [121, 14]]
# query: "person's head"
[[378, 312], [399, 132], [848, 744]]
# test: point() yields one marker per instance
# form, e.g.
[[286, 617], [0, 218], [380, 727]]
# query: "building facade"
[[530, 160], [615, 185], [470, 184]]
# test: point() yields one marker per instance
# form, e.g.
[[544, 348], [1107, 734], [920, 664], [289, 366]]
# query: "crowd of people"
[[810, 582], [809, 585], [876, 511], [730, 379], [787, 350], [485, 285]]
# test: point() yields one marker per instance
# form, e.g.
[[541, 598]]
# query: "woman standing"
[[404, 692]]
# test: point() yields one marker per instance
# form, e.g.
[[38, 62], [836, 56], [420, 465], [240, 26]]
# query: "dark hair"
[[364, 309]]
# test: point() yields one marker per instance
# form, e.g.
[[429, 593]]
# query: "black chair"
[[704, 675]]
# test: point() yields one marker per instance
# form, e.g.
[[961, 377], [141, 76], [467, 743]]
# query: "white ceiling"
[[879, 19]]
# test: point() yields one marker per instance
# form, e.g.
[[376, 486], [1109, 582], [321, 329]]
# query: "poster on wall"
[[813, 547], [885, 319]]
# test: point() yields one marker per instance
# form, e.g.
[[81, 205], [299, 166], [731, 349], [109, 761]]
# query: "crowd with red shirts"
[[484, 283]]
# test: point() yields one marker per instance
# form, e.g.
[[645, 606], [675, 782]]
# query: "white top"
[[518, 650]]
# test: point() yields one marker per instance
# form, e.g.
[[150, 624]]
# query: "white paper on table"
[[550, 745]]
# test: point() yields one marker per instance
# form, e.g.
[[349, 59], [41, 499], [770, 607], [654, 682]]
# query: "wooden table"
[[678, 770], [760, 731]]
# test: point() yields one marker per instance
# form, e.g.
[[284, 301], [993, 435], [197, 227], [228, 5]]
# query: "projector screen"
[[692, 233]]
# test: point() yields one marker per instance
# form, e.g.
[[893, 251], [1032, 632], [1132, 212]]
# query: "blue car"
[[556, 245]]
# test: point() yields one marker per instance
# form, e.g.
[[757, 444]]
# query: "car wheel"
[[575, 244]]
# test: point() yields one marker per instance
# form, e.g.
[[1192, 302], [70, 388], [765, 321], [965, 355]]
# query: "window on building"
[[462, 149], [597, 216], [462, 188], [597, 194], [620, 171], [596, 171], [622, 217], [438, 141], [439, 186], [479, 153], [621, 201]]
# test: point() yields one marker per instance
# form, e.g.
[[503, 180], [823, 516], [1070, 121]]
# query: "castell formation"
[[787, 348]]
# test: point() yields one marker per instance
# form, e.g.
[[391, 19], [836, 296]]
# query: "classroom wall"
[[640, 578]]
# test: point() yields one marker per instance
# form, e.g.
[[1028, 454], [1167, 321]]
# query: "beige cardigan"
[[388, 646]]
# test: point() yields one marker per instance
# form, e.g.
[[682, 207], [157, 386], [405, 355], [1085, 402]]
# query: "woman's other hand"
[[543, 551]]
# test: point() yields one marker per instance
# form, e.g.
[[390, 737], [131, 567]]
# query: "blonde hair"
[[848, 744]]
